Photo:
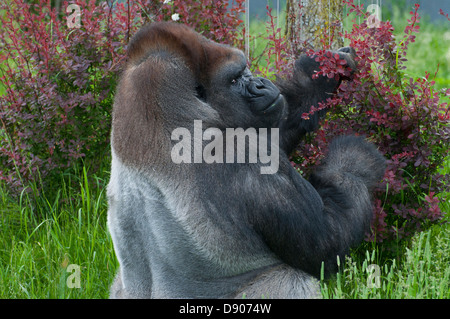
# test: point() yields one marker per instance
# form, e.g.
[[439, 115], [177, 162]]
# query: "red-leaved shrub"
[[60, 80], [59, 86], [403, 116]]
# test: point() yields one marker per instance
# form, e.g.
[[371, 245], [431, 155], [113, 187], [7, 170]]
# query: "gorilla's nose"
[[258, 86], [258, 83]]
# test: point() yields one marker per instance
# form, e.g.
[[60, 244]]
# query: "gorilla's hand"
[[305, 90], [349, 55], [307, 66]]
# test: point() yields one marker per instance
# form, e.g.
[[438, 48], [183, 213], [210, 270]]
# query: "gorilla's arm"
[[301, 92], [318, 220]]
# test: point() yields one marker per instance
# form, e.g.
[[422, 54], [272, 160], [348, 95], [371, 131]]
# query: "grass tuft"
[[42, 238], [423, 272]]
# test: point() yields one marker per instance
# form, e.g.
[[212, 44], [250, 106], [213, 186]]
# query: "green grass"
[[41, 238], [423, 271]]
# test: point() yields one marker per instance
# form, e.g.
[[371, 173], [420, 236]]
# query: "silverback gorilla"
[[191, 229]]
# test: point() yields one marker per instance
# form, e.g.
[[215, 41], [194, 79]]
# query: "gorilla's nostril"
[[260, 85], [256, 85]]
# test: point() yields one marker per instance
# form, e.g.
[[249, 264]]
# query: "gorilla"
[[191, 229]]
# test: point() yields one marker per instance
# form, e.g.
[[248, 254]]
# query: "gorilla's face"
[[261, 95], [241, 99]]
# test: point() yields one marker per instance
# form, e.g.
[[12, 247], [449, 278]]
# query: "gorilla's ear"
[[201, 92]]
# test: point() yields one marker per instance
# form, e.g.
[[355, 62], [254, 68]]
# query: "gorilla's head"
[[233, 89], [175, 76], [215, 74]]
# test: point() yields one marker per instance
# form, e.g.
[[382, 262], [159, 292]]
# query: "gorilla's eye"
[[240, 75], [236, 78]]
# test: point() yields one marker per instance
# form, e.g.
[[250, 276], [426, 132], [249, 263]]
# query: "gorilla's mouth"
[[274, 105]]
